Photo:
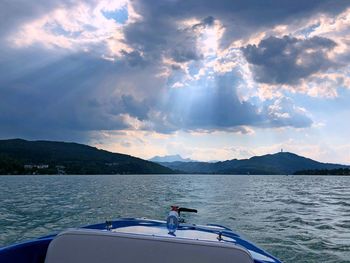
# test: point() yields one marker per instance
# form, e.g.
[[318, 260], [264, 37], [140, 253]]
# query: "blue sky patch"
[[119, 15]]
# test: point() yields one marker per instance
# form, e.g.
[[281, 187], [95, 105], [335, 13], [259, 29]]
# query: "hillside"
[[46, 157], [279, 163]]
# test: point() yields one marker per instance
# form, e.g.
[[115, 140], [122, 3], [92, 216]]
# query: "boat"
[[134, 240]]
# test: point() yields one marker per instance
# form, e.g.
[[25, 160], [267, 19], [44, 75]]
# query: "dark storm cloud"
[[61, 94], [158, 33], [134, 58], [158, 37], [184, 54], [287, 60], [240, 18], [186, 49], [137, 109], [251, 11]]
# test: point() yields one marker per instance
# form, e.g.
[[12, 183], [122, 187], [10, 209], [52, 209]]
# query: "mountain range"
[[170, 158], [278, 163], [19, 156]]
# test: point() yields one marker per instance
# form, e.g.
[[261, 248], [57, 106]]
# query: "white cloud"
[[82, 27]]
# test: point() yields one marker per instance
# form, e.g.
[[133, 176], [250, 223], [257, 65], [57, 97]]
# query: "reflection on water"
[[296, 218]]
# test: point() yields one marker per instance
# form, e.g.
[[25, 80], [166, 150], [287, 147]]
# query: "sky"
[[209, 80]]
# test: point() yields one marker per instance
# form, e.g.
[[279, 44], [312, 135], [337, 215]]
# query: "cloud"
[[134, 58], [17, 12], [55, 96], [131, 106], [83, 27], [183, 54], [283, 112], [159, 19], [215, 105], [73, 67], [288, 60], [208, 21]]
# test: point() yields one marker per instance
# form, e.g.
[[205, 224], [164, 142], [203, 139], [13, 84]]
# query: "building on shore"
[[35, 166]]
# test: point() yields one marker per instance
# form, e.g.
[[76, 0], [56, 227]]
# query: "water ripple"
[[296, 218]]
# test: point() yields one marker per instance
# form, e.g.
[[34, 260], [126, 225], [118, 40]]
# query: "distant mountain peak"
[[170, 158]]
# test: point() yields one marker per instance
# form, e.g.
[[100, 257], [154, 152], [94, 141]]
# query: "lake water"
[[295, 218]]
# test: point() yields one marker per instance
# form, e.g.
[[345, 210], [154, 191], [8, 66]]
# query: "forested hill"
[[19, 156]]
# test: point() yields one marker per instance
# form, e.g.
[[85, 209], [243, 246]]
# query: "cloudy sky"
[[210, 80]]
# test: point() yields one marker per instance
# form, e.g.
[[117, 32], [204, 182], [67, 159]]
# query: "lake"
[[295, 218]]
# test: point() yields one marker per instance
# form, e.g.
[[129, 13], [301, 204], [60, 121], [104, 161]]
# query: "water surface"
[[296, 218]]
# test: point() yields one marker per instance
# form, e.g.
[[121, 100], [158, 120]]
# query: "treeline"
[[10, 166], [341, 171]]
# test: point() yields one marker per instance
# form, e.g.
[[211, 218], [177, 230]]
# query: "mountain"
[[170, 158], [19, 156], [279, 163]]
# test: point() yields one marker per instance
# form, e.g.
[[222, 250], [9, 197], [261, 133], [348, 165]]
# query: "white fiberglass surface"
[[160, 231], [187, 233]]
